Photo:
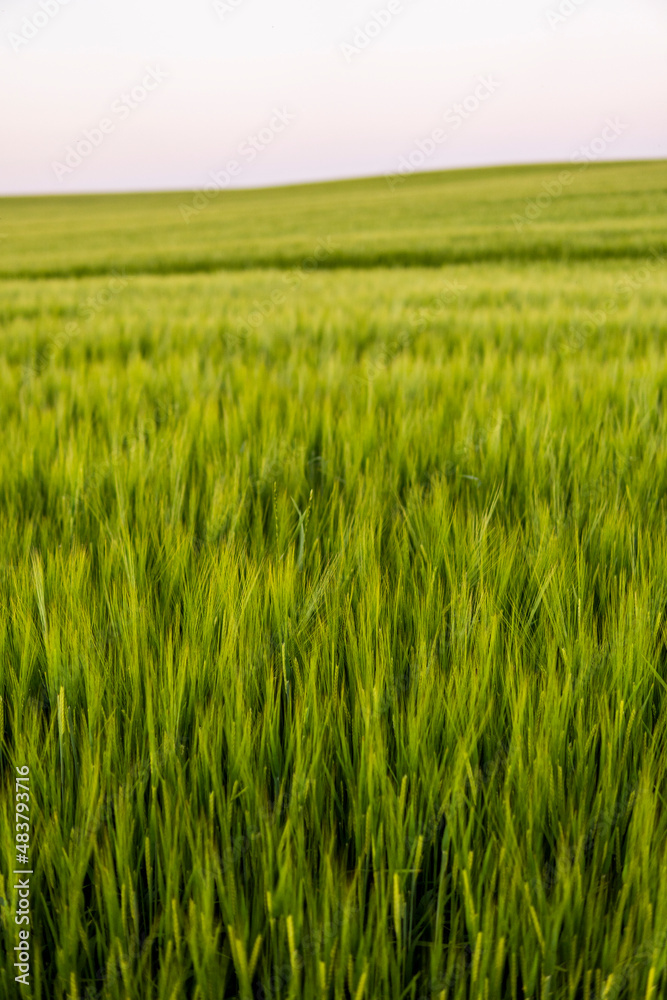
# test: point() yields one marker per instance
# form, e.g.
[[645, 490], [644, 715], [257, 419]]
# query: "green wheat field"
[[333, 589]]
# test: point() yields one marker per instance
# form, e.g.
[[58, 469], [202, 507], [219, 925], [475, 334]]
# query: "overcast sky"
[[103, 95]]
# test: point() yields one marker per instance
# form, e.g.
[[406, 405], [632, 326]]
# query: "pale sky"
[[113, 95]]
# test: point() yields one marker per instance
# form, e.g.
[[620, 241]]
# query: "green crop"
[[332, 594]]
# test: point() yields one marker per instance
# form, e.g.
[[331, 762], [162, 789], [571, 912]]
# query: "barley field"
[[333, 580]]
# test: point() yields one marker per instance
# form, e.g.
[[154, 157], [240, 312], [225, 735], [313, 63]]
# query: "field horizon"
[[479, 215]]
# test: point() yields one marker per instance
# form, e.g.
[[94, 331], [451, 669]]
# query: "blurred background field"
[[606, 210], [332, 597]]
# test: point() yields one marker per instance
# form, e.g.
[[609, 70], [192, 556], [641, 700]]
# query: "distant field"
[[333, 594], [603, 211]]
